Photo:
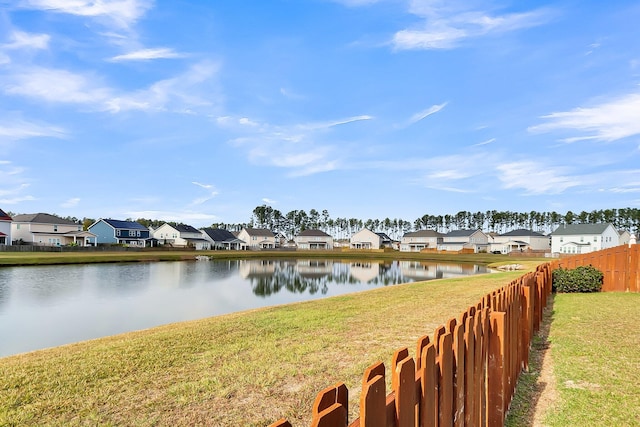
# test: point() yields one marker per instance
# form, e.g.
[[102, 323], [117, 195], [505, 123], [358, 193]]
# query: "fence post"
[[373, 406], [469, 371], [404, 386], [445, 386], [429, 386], [327, 406], [459, 371], [496, 369]]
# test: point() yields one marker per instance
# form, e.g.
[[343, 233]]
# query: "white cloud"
[[23, 40], [148, 54], [20, 129], [71, 203], [446, 24], [178, 94], [269, 201], [426, 113], [535, 178], [205, 186], [609, 121], [53, 85], [487, 142], [122, 13]]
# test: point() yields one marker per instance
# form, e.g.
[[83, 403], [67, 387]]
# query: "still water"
[[47, 306]]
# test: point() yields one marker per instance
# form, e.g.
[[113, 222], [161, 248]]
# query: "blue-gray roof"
[[127, 225], [219, 234], [184, 228], [460, 233]]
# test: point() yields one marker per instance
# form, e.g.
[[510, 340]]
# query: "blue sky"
[[200, 111]]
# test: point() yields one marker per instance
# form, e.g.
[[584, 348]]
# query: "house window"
[[55, 228], [561, 240], [595, 239], [581, 239], [117, 232]]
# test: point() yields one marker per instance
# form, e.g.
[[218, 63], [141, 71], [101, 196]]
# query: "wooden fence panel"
[[428, 387], [496, 375], [445, 383], [634, 268]]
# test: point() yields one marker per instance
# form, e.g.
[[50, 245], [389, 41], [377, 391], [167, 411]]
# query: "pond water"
[[47, 306]]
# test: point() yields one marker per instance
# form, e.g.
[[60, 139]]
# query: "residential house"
[[5, 228], [223, 239], [583, 238], [625, 237], [367, 239], [113, 231], [520, 240], [314, 239], [49, 230], [464, 240], [258, 238], [416, 241], [181, 236]]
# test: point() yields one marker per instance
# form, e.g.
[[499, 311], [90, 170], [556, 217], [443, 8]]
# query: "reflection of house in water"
[[256, 268], [458, 270], [313, 268], [365, 271], [420, 270]]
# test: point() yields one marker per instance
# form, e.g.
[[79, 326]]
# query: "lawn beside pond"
[[244, 369]]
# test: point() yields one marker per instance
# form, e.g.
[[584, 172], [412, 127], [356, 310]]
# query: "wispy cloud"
[[535, 178], [23, 40], [487, 142], [211, 193], [148, 54], [122, 13], [20, 129], [425, 113], [446, 24], [607, 121], [73, 202], [13, 185], [177, 94], [269, 201]]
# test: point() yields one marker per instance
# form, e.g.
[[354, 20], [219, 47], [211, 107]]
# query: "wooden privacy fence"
[[465, 376], [620, 266]]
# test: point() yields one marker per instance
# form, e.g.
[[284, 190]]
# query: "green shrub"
[[580, 279]]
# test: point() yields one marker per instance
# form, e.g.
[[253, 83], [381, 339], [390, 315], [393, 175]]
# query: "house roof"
[[129, 225], [259, 232], [319, 233], [4, 216], [573, 229], [461, 233], [383, 236], [219, 234], [184, 228], [522, 232], [43, 218], [423, 233]]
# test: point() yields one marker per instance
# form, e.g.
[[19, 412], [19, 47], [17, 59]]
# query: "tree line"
[[295, 221]]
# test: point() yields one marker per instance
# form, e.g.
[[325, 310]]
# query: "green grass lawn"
[[595, 348], [246, 369]]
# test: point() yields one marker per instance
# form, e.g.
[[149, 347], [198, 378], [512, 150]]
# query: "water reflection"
[[52, 305]]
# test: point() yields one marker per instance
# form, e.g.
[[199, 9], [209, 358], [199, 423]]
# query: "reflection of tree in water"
[[286, 276]]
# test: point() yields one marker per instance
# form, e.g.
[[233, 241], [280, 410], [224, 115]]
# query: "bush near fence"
[[466, 375]]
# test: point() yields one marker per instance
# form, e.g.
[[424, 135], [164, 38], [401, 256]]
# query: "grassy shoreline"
[[248, 368], [50, 258]]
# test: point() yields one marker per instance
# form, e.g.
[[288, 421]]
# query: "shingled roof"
[[4, 216], [573, 229], [42, 218]]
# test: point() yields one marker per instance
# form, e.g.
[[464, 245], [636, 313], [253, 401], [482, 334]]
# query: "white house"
[[459, 240], [49, 230], [258, 238], [583, 238], [314, 239], [518, 241], [365, 239], [5, 228], [416, 241], [181, 236]]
